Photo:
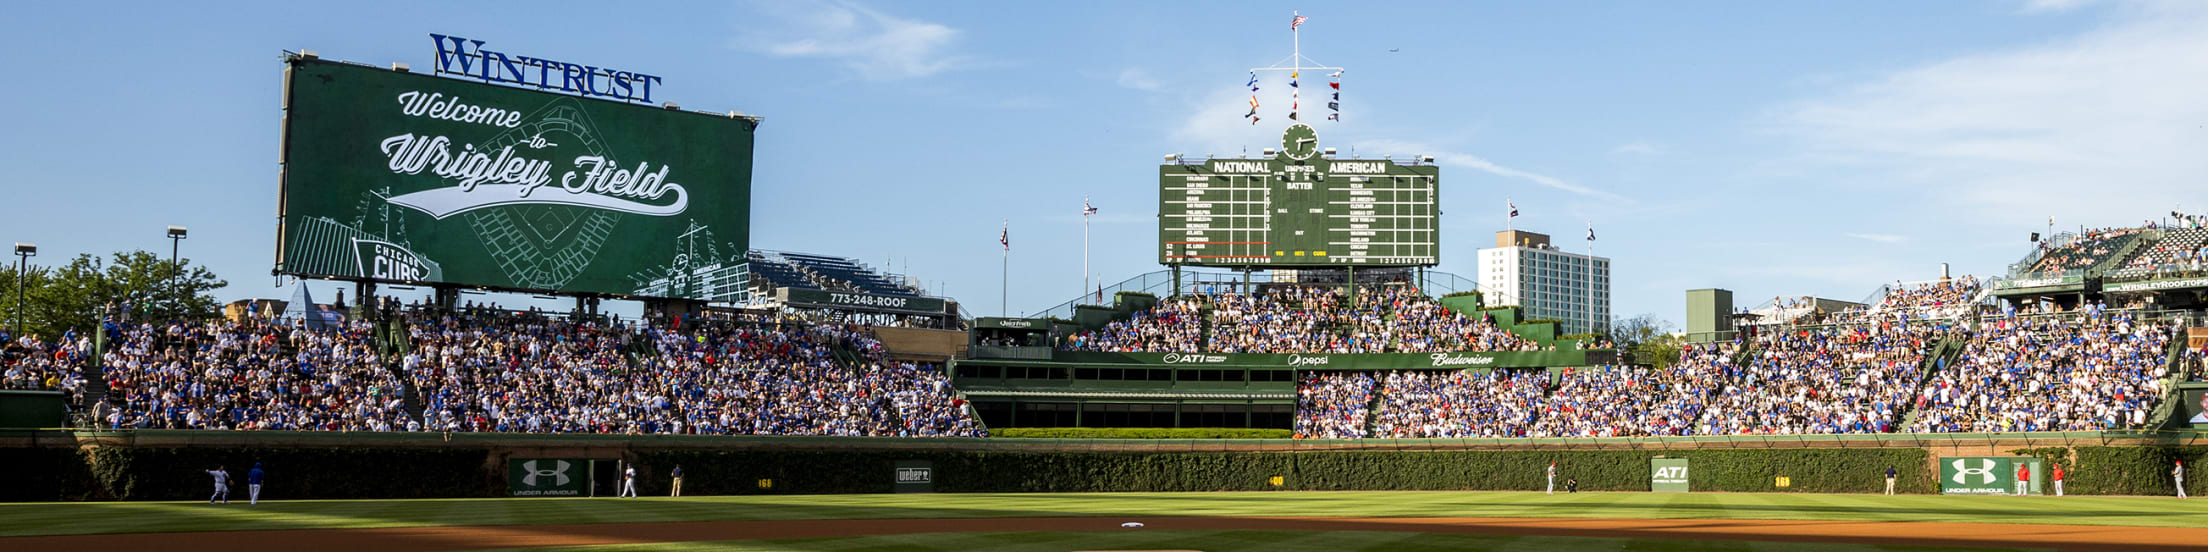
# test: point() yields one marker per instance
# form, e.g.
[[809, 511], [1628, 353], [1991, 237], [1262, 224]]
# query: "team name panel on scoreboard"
[[1284, 212]]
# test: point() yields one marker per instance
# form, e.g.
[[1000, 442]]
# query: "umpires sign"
[[1667, 475], [548, 476], [915, 476]]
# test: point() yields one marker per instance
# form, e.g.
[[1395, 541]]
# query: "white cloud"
[[872, 44], [2104, 127], [1880, 238], [2053, 6], [1218, 126], [1636, 148], [1136, 78]]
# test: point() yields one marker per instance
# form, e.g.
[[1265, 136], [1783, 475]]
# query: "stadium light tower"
[[176, 239], [23, 253]]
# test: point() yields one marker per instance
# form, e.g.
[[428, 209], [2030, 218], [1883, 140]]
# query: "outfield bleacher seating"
[[2177, 247], [2088, 250]]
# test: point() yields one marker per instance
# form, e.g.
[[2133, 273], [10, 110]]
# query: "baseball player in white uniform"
[[628, 483], [2179, 473], [1552, 478], [222, 485]]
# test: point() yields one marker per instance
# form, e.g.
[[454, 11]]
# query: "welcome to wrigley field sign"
[[406, 177]]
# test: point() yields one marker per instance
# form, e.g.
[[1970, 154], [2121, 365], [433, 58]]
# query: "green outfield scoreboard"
[[1299, 209], [400, 177]]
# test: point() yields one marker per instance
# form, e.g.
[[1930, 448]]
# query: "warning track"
[[401, 539]]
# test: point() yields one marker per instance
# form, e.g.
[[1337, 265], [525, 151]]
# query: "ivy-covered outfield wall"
[[1809, 470], [154, 466]]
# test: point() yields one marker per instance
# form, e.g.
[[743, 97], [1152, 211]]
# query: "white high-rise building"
[[1545, 282]]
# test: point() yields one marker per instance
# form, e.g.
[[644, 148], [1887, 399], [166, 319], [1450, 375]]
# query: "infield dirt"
[[403, 539]]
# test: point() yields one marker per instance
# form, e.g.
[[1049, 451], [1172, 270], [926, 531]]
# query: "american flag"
[[1086, 208], [1005, 237], [1297, 23]]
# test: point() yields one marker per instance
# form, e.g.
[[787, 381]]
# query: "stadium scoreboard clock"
[[1298, 208]]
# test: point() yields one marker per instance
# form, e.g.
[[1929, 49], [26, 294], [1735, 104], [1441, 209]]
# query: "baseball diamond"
[[542, 285]]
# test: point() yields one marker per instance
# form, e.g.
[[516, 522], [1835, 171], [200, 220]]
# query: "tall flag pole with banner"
[[1294, 65], [1086, 210], [1508, 220], [1004, 296]]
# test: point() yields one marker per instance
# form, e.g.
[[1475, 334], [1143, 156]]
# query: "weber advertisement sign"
[[915, 476], [548, 476], [1667, 475], [412, 178]]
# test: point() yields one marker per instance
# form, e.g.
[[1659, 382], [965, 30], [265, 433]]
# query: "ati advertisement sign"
[[1385, 361], [404, 177], [1988, 475], [813, 298], [1667, 475], [548, 476]]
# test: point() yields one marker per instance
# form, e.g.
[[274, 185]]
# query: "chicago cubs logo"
[[558, 472], [1984, 470]]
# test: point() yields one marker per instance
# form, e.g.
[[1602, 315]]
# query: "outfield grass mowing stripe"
[[1243, 540], [109, 517]]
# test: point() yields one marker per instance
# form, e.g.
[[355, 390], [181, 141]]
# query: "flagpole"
[[1590, 277], [1084, 248], [1510, 215], [1004, 281]]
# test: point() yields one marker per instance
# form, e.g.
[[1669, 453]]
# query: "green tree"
[[73, 295], [1652, 340]]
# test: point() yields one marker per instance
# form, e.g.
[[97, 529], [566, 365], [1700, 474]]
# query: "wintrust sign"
[[460, 56]]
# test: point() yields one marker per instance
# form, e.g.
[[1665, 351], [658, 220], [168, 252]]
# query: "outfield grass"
[[1230, 541], [135, 517]]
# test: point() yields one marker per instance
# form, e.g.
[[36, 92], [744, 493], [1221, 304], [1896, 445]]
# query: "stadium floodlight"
[[1329, 152], [1426, 158], [23, 253], [1268, 152], [176, 239], [401, 66], [310, 54], [1172, 156], [671, 105]]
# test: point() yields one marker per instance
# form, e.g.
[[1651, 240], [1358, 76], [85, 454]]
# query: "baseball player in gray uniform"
[[222, 485]]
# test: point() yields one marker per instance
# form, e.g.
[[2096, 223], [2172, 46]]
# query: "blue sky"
[[1788, 148]]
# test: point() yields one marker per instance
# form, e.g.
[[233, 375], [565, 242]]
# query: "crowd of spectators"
[[540, 375], [1499, 403], [2085, 250], [2090, 370], [1636, 401], [1303, 319], [1822, 380], [34, 364], [1174, 325], [505, 371], [221, 374], [1333, 405]]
